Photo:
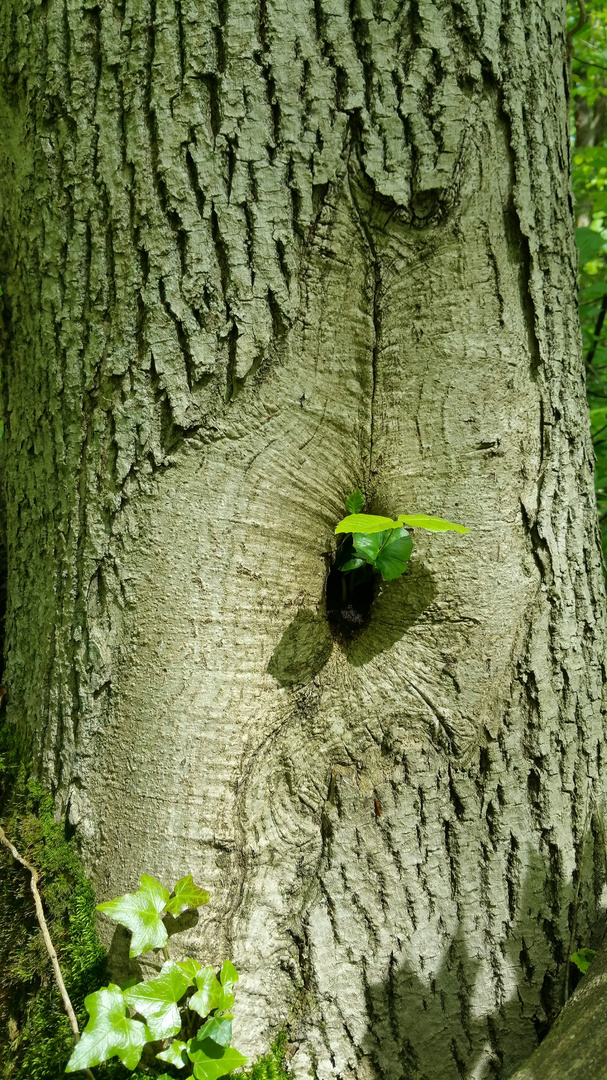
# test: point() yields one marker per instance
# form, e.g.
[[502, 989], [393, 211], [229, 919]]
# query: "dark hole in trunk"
[[349, 598]]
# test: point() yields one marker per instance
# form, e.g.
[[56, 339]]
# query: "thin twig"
[[47, 938]]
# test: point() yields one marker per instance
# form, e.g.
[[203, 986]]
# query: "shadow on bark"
[[395, 610], [441, 1012], [302, 651], [124, 967], [306, 644]]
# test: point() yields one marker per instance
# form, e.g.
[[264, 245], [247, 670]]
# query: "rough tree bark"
[[254, 254]]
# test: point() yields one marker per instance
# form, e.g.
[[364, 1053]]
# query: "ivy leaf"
[[218, 1028], [394, 555], [187, 895], [209, 993], [365, 523], [355, 502], [190, 968], [211, 1060], [140, 913], [175, 1054], [228, 974], [434, 524], [583, 959], [157, 1000], [109, 1032]]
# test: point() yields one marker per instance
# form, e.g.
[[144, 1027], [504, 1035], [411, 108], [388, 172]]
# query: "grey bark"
[[253, 255]]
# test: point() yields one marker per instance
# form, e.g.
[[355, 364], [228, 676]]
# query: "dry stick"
[[47, 939]]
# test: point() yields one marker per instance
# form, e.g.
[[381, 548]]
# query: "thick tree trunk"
[[254, 254]]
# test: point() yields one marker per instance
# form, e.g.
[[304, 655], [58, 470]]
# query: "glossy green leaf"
[[393, 557], [211, 1060], [187, 895], [368, 545], [109, 1032], [210, 994], [434, 524], [190, 968], [164, 1076], [355, 502], [365, 523], [218, 1028], [583, 959], [175, 1054], [157, 999], [228, 974], [140, 913]]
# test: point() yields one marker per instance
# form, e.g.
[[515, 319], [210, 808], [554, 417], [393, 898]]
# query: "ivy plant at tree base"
[[184, 1011]]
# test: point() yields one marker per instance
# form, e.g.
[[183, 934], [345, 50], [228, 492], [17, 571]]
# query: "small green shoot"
[[583, 959], [380, 542]]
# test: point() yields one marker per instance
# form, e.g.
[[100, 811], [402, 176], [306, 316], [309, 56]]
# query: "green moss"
[[272, 1066], [35, 1035]]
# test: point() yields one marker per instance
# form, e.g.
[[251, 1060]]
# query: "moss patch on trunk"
[[35, 1035]]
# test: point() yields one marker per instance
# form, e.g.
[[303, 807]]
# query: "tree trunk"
[[252, 256]]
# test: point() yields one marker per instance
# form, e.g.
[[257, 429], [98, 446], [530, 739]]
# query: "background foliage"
[[589, 167]]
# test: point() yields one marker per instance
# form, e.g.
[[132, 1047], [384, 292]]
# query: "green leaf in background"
[[140, 913], [209, 994], [434, 524], [365, 523], [187, 895], [583, 959], [157, 999], [109, 1032], [394, 555], [589, 243], [175, 1054], [355, 502], [218, 1028], [211, 1060]]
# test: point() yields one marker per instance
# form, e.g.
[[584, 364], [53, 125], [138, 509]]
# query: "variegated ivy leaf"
[[175, 1054], [109, 1032], [140, 913], [187, 895], [157, 999]]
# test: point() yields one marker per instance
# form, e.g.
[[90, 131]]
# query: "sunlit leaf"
[[427, 521], [228, 975], [140, 913], [187, 895], [355, 502], [210, 993], [365, 523], [218, 1028], [211, 1060], [109, 1032], [189, 967], [175, 1054], [157, 999]]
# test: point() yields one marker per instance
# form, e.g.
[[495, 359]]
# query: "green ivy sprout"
[[379, 542], [185, 1011], [583, 959]]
